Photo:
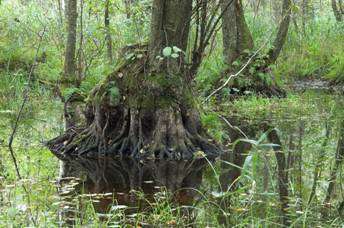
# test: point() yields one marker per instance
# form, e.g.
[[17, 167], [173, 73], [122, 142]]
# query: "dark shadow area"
[[134, 184]]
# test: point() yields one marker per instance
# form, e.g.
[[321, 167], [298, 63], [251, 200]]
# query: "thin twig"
[[25, 99], [231, 126], [234, 75]]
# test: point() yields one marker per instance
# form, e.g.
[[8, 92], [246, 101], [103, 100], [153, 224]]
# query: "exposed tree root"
[[140, 114]]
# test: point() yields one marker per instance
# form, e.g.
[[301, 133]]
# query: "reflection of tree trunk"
[[282, 174], [107, 31], [231, 171], [319, 164], [236, 34], [337, 165], [299, 159], [119, 179], [232, 163]]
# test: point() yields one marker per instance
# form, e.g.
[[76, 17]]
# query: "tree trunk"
[[145, 109], [170, 27], [236, 34], [237, 38], [337, 10], [307, 13], [127, 5], [275, 7], [282, 32], [69, 78], [108, 32]]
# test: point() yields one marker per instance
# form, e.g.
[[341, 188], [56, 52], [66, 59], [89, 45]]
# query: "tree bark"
[[337, 10], [282, 32], [108, 32], [69, 78], [236, 34], [127, 4], [145, 109], [237, 38], [307, 13], [70, 66], [170, 26]]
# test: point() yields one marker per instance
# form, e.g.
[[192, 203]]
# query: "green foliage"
[[114, 95], [316, 54], [214, 124], [210, 69], [336, 67]]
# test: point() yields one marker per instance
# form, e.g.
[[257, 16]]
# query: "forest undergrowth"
[[309, 122]]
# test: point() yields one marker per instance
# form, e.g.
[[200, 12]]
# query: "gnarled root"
[[131, 115]]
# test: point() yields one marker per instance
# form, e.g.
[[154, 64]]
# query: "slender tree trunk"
[[69, 78], [127, 4], [275, 6], [337, 10], [108, 32], [282, 32], [236, 34], [80, 52], [60, 11], [307, 13]]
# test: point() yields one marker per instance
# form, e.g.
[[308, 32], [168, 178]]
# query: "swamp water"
[[303, 122], [307, 126]]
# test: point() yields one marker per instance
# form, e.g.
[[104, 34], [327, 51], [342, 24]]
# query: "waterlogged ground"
[[304, 121]]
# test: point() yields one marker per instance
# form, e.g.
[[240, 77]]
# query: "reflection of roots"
[[131, 182], [123, 175]]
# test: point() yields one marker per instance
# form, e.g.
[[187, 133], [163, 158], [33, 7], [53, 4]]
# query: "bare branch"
[[20, 113]]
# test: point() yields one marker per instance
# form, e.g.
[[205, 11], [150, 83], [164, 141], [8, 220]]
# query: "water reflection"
[[280, 152], [131, 184]]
